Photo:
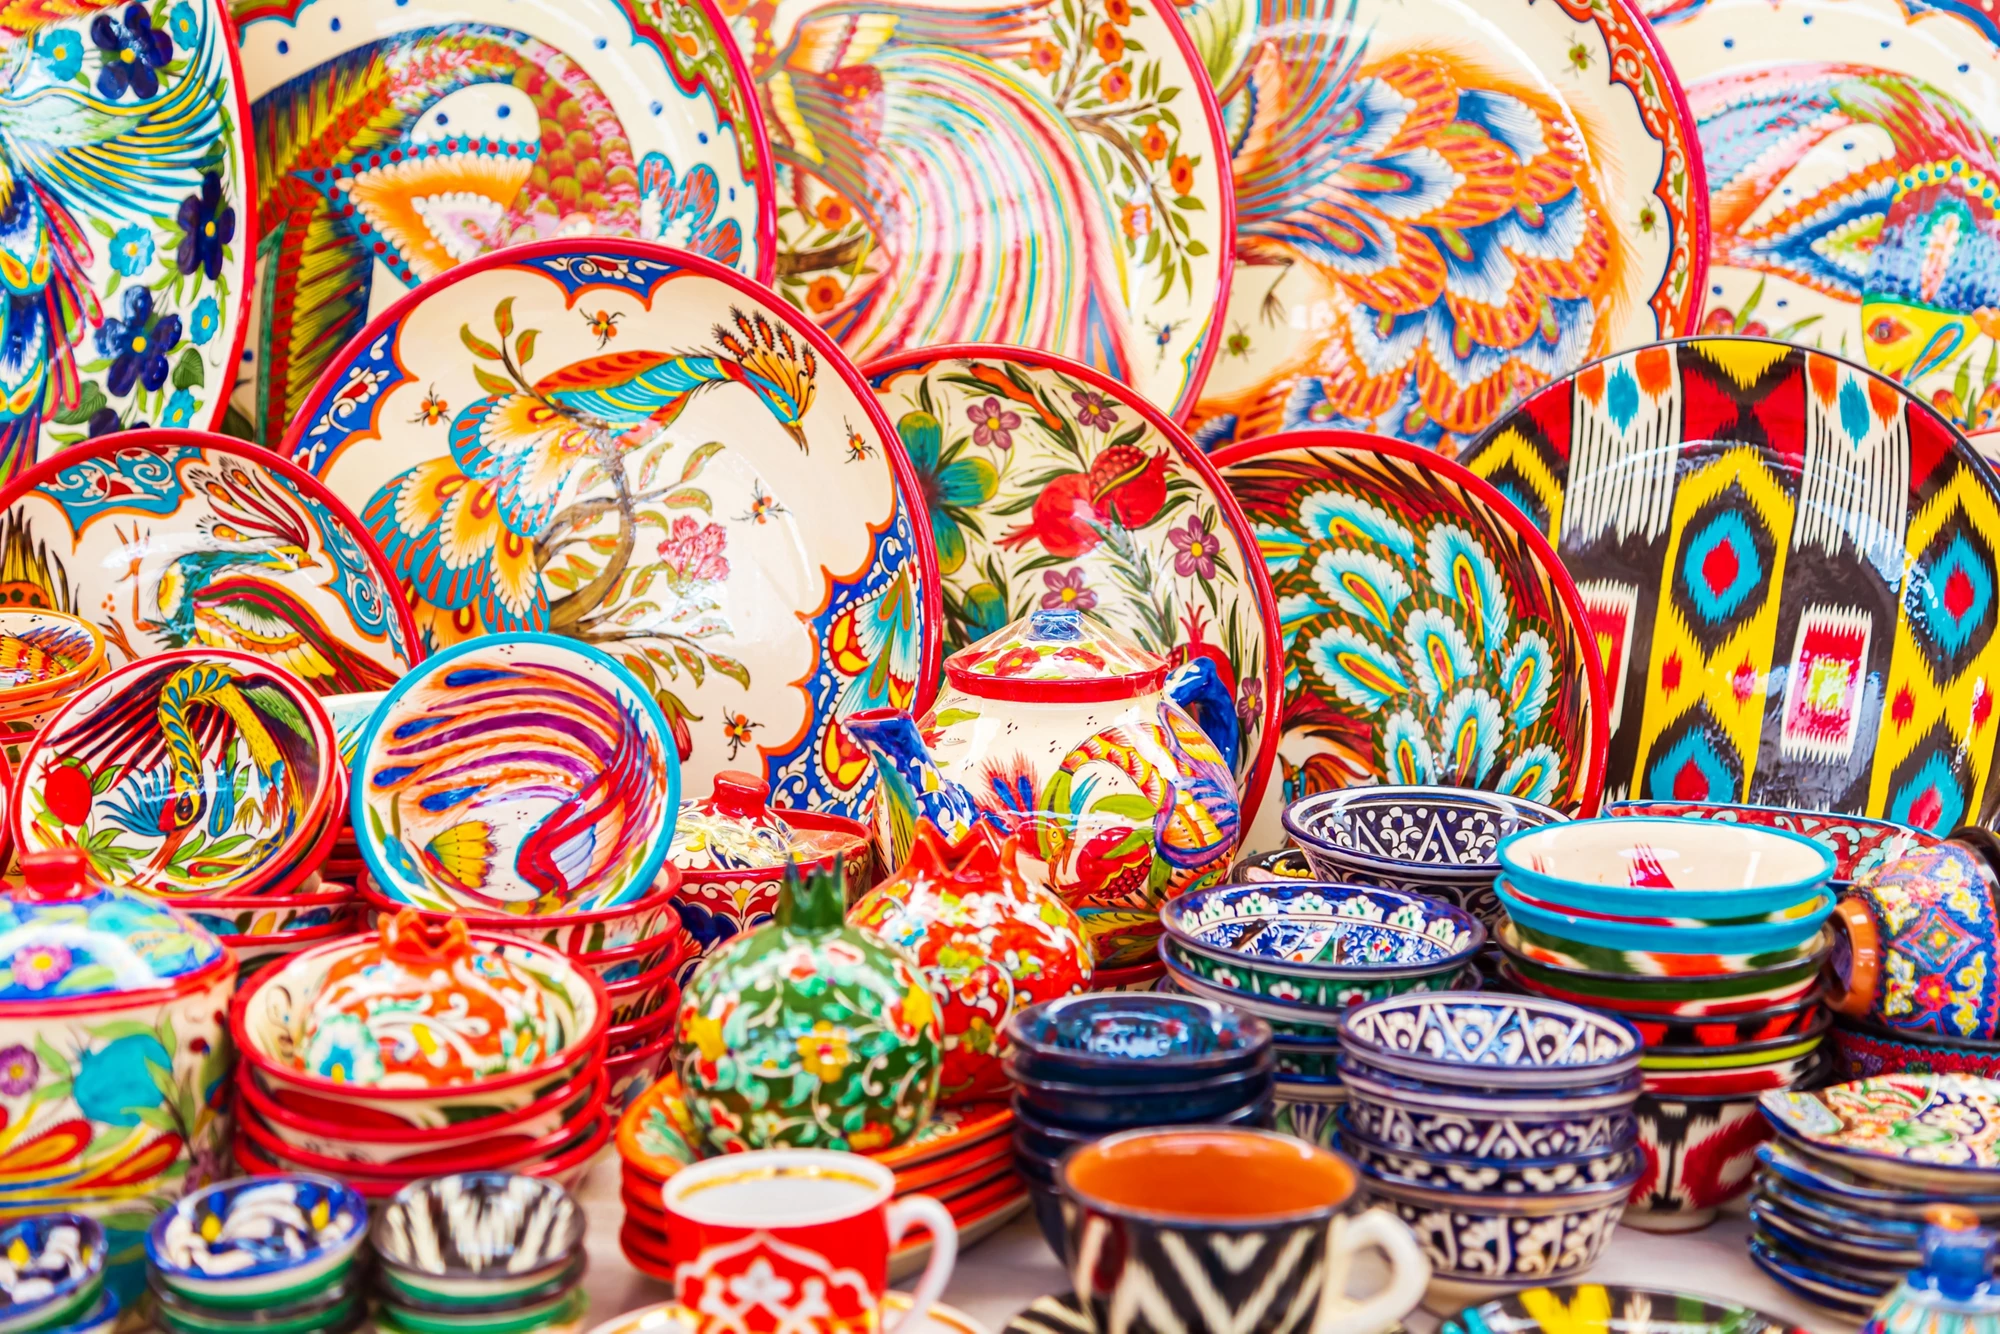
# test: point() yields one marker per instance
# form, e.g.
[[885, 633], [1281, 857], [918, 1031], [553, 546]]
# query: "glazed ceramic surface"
[[44, 655], [479, 1225], [1666, 867], [1918, 946], [197, 772], [1767, 533], [1927, 1130], [517, 773], [1431, 635], [129, 274], [1484, 1244], [1103, 222], [397, 140], [1860, 847], [249, 1236], [1122, 1039], [1296, 1005], [1608, 1309], [51, 1269], [1585, 206], [1078, 738], [749, 561], [1438, 831], [1630, 940], [1863, 1050], [1304, 931], [1566, 1174], [1490, 1039], [1496, 1135]]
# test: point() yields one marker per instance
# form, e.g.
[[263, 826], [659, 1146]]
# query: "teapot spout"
[[911, 787], [1197, 687]]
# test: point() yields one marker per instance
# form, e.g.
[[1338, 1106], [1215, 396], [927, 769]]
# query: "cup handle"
[[1854, 995], [1409, 1275], [915, 1210]]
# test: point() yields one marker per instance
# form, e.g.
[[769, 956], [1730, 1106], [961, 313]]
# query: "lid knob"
[[416, 943], [1958, 1253], [738, 793], [1061, 624], [56, 875]]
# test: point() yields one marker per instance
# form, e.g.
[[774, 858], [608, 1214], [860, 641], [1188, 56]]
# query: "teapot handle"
[[1197, 688]]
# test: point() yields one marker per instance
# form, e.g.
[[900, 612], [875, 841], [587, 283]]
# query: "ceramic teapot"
[[1080, 741]]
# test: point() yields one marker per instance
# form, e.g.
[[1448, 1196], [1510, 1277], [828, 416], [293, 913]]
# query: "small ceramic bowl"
[[1634, 946], [1563, 1174], [1489, 1038], [51, 1270], [1700, 1033], [338, 1306], [1135, 1038], [478, 1234], [644, 996], [102, 1317], [1314, 1007], [1683, 996], [1857, 844], [1308, 1112], [1738, 1055], [632, 1073], [1493, 1134], [1409, 834], [1742, 1080], [501, 1153], [566, 1168], [1087, 1106], [1699, 1154], [257, 1243], [1632, 865]]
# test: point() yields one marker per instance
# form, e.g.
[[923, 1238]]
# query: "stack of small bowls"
[[1296, 953], [45, 658], [260, 1255], [1498, 1127], [52, 1277], [1436, 841], [1708, 937], [1838, 1213], [479, 1253], [1087, 1066]]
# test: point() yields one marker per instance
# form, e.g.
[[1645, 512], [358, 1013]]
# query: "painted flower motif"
[[693, 550], [983, 610], [39, 967], [180, 409], [823, 294], [204, 320], [949, 490], [1195, 549], [874, 1135], [992, 425], [1136, 219], [1180, 175], [1067, 591], [208, 223], [344, 1050], [137, 343], [1093, 409], [134, 51], [186, 29], [1116, 85], [1118, 11], [706, 1035], [824, 1052], [1153, 143], [1109, 42], [1017, 660], [19, 1070], [62, 51], [131, 251], [106, 421], [832, 212], [1045, 56]]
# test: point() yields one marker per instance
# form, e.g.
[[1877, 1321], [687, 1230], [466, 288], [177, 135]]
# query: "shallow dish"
[[1446, 833], [45, 656], [1114, 1037], [54, 1269], [1939, 1132], [1825, 1179], [1490, 1039], [1313, 929], [257, 1243], [1614, 1309]]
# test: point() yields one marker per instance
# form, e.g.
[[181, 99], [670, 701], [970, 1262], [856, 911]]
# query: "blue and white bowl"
[[258, 1241], [1134, 1038], [1491, 1039], [1494, 1136], [1613, 1095], [1638, 866], [51, 1270], [1555, 1175]]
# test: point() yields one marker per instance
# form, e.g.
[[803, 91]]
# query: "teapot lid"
[[733, 829], [65, 935], [1054, 656]]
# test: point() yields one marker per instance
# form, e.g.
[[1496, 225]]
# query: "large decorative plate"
[[1440, 204], [125, 231], [175, 539], [1941, 1131], [1604, 1309], [647, 451], [1431, 635], [1789, 564], [1038, 175], [396, 138], [1048, 485], [1854, 181]]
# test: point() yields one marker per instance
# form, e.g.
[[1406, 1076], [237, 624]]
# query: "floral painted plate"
[[747, 556], [129, 221], [1789, 565], [1101, 218], [1611, 1309], [175, 539], [1049, 486], [1932, 1131], [1854, 181], [1440, 204], [1431, 635], [398, 138]]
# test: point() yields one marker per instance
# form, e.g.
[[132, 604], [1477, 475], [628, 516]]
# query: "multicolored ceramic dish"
[[1607, 1309], [257, 1243], [1647, 866], [1937, 1132], [1859, 846], [1489, 1039]]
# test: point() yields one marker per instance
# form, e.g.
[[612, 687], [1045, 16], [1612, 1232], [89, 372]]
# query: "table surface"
[[1005, 1272]]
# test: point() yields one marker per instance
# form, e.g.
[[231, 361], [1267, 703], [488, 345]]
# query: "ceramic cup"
[[1220, 1227], [796, 1241]]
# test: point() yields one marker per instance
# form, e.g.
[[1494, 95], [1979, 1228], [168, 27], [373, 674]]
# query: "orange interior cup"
[[1210, 1175]]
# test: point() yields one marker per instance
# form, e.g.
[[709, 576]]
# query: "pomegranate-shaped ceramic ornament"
[[989, 943], [808, 1033], [428, 1008]]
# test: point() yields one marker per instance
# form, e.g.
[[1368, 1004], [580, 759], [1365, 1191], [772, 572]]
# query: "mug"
[[796, 1240], [1223, 1228], [1915, 946]]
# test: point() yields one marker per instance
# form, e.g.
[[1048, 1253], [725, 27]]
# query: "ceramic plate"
[[1908, 1129], [173, 539], [398, 138], [750, 560], [128, 232], [1049, 486], [1102, 216], [1431, 635], [1790, 567], [1837, 220], [667, 1318], [1607, 1309], [1440, 205]]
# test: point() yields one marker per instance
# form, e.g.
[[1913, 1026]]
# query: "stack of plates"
[[484, 1252], [52, 1281], [260, 1255]]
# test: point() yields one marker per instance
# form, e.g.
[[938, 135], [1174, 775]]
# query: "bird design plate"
[[1049, 486], [1431, 636], [1041, 175], [1440, 205], [125, 235], [397, 138], [646, 451], [175, 539], [1789, 566], [1854, 182]]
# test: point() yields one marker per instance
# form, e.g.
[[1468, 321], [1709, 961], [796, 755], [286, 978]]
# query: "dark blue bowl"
[[1114, 1037], [1121, 1106]]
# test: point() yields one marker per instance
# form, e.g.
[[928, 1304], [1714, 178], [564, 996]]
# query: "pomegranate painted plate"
[[643, 450], [397, 138]]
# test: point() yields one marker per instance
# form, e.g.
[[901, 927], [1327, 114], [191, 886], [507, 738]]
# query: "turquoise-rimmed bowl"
[[1649, 867], [1751, 939]]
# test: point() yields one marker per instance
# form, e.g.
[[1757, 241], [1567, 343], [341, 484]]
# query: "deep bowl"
[[1700, 1152], [476, 1233], [1134, 1038], [1447, 833], [1639, 865], [1632, 942], [1087, 1106], [257, 1242], [1491, 1133], [1562, 1174], [1683, 995], [1492, 1039], [56, 1269], [576, 933], [1702, 1032], [1858, 844], [1275, 996]]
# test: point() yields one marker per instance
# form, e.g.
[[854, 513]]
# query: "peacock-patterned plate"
[[1431, 636], [397, 138], [176, 539], [1440, 204], [126, 233], [646, 451], [1854, 182], [1050, 486], [1789, 564], [1036, 175]]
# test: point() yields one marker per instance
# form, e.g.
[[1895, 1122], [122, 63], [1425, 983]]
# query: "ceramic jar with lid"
[[807, 1032], [990, 944]]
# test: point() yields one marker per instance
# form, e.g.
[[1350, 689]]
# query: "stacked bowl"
[[479, 1253], [1838, 1213], [1729, 1009], [1088, 1066], [1296, 953], [45, 657], [260, 1255], [1499, 1128], [52, 1277]]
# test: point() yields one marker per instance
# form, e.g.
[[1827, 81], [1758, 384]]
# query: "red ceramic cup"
[[795, 1240]]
